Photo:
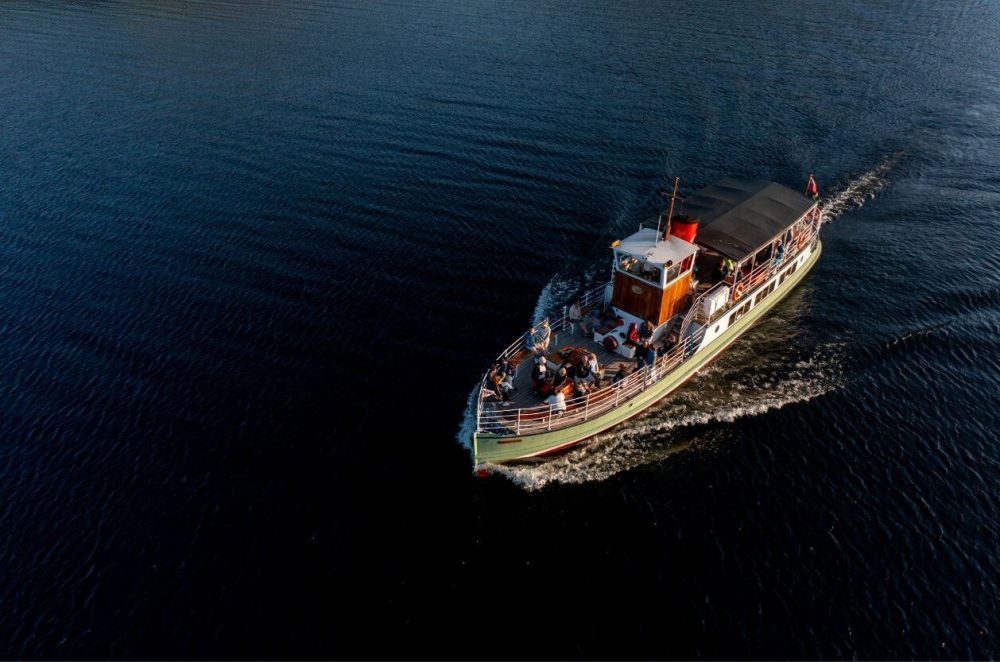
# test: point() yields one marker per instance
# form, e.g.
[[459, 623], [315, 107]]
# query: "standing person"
[[595, 369], [646, 333], [576, 315]]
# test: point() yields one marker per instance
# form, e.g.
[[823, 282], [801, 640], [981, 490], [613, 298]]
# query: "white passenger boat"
[[699, 280]]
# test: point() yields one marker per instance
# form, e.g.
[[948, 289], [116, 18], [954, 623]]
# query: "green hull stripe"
[[491, 448]]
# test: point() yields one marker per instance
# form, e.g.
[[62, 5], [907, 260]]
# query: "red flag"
[[811, 189]]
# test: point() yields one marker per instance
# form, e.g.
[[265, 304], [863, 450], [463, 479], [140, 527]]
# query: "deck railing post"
[[549, 428], [586, 407], [517, 426]]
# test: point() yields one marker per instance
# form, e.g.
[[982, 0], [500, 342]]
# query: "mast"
[[670, 214]]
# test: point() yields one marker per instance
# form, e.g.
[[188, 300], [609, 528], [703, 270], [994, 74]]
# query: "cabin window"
[[640, 269]]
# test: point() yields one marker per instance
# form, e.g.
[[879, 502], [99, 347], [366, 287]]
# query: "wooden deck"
[[523, 397]]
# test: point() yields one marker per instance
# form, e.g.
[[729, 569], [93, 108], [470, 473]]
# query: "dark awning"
[[739, 216]]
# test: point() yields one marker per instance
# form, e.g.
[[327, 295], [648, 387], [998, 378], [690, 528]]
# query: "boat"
[[682, 289]]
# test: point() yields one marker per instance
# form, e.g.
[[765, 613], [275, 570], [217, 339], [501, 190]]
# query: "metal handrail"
[[581, 408]]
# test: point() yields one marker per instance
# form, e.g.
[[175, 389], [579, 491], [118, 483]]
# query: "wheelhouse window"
[[640, 269]]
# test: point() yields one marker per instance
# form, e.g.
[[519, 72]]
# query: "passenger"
[[779, 254], [502, 383], [505, 368], [571, 371], [583, 374], [542, 338], [591, 323], [557, 402], [540, 373], [719, 273], [576, 315], [528, 339], [595, 369], [620, 375], [559, 379], [728, 269], [646, 333]]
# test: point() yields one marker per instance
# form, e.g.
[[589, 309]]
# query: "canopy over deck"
[[739, 216]]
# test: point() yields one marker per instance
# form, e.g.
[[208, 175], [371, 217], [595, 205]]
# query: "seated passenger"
[[528, 339], [502, 384], [559, 379], [620, 375], [591, 323], [542, 338], [583, 374], [539, 373], [557, 402]]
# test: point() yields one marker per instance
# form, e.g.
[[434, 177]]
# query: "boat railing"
[[587, 299], [763, 272], [545, 417]]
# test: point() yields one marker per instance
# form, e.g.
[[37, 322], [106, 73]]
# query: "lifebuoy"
[[738, 290], [610, 343], [802, 240]]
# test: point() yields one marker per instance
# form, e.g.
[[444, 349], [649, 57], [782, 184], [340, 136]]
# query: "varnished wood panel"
[[648, 302]]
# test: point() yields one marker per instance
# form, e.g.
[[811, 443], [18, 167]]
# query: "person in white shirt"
[[557, 402]]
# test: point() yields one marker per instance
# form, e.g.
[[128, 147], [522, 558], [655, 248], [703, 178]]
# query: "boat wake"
[[858, 190], [693, 418], [750, 379]]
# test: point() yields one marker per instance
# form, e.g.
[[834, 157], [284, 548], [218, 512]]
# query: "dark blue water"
[[256, 254]]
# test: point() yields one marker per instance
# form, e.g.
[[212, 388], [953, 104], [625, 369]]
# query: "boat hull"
[[498, 449]]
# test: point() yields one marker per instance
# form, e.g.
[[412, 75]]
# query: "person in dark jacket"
[[539, 374], [646, 332], [560, 377]]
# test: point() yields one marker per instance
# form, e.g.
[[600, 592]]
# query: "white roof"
[[643, 245]]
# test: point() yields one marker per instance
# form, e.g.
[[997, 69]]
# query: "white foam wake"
[[671, 426], [858, 190]]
